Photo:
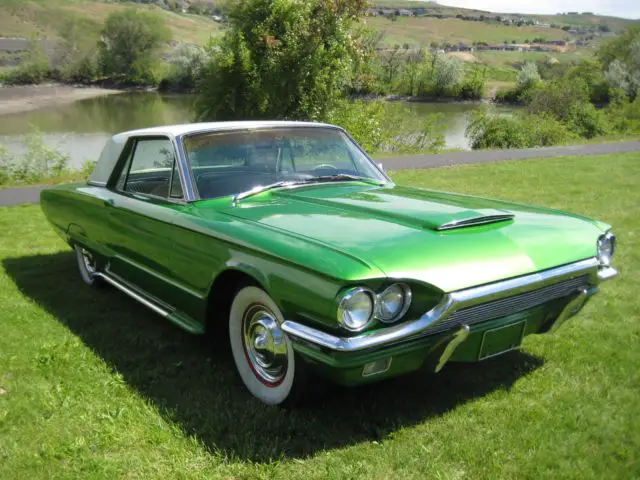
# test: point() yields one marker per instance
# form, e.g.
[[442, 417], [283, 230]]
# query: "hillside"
[[49, 18], [582, 19]]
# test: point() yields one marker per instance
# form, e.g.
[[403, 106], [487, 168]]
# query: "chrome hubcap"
[[265, 345], [89, 262]]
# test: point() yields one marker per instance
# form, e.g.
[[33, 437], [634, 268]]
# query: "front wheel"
[[263, 354]]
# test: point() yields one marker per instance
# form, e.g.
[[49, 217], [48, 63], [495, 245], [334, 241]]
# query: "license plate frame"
[[508, 335]]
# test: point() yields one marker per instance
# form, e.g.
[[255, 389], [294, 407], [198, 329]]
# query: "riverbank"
[[25, 98]]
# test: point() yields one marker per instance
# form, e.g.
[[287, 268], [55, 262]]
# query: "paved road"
[[13, 196], [485, 156]]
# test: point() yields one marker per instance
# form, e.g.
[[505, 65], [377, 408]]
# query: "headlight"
[[355, 308], [606, 248], [393, 302]]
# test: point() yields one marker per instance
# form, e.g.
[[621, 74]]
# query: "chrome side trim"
[[133, 294], [450, 303]]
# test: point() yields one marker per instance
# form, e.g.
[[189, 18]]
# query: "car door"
[[149, 248]]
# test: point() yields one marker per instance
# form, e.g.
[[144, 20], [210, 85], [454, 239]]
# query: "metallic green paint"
[[304, 244]]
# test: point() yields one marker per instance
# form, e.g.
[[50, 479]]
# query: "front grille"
[[510, 305]]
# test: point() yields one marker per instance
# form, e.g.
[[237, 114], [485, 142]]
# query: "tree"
[[448, 73], [130, 44], [619, 47], [281, 59], [621, 61]]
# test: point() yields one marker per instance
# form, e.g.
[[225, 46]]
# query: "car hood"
[[424, 235]]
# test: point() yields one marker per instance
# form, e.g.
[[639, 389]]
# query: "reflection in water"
[[81, 128]]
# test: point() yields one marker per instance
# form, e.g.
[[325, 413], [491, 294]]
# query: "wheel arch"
[[221, 292]]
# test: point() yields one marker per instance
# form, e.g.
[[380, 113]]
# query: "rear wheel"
[[87, 267], [263, 354]]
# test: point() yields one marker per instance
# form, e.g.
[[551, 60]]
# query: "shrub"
[[130, 44], [555, 98], [624, 116], [474, 85], [378, 127], [489, 130], [586, 121], [528, 77], [186, 67], [36, 163], [34, 69]]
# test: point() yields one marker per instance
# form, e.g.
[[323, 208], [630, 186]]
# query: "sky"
[[617, 8]]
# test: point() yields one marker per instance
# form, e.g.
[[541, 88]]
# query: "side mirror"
[[381, 167]]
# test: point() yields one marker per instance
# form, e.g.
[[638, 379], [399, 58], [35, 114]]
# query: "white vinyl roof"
[[187, 128], [115, 144]]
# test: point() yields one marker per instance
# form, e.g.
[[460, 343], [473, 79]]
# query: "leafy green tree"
[[281, 59], [448, 73], [130, 45], [620, 47]]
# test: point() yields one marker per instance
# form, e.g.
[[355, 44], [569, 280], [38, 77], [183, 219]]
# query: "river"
[[80, 128]]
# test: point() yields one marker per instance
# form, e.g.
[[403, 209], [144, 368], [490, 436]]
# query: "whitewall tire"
[[87, 267], [262, 352]]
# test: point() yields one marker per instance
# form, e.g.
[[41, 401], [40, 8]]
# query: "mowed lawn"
[[92, 385]]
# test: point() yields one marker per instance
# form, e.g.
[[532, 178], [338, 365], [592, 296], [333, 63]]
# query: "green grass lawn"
[[92, 385]]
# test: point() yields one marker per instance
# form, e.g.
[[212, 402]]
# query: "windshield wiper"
[[341, 177], [344, 177], [263, 188]]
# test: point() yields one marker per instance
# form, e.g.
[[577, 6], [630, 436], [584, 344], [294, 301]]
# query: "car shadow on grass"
[[200, 392]]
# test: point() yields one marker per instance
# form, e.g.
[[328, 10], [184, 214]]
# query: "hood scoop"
[[475, 220]]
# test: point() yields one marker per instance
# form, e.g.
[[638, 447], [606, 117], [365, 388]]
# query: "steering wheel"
[[325, 166]]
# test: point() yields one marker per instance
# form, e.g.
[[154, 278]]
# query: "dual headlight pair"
[[358, 306], [606, 248]]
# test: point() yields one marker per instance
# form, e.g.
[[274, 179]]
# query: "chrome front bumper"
[[450, 303]]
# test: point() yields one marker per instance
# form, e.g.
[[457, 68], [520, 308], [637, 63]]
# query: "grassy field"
[[49, 18], [423, 30], [94, 386]]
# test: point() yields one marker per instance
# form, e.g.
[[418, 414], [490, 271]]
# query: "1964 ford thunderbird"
[[289, 240]]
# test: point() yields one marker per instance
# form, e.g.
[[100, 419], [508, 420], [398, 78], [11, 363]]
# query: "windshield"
[[230, 163]]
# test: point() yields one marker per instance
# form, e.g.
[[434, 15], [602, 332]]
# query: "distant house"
[[403, 12], [543, 25], [560, 43]]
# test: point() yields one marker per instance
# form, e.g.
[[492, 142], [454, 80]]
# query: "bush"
[[474, 85], [36, 163], [624, 116], [489, 130], [378, 127], [130, 44], [34, 69], [586, 121], [528, 77], [28, 73], [186, 67]]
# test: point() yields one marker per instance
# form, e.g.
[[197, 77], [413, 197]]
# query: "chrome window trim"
[[187, 180], [449, 303]]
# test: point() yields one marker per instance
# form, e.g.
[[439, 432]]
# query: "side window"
[[149, 168]]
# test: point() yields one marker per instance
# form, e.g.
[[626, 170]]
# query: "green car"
[[285, 238]]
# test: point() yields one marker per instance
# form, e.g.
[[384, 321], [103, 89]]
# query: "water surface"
[[81, 128]]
